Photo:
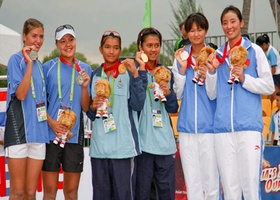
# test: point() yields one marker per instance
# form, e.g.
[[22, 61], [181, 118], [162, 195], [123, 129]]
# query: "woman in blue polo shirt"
[[67, 87], [26, 126], [114, 146]]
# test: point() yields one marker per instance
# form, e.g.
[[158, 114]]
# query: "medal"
[[122, 69], [184, 55], [80, 79], [144, 57], [33, 55]]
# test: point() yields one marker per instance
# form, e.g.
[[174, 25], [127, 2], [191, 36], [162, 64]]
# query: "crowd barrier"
[[85, 187], [270, 177]]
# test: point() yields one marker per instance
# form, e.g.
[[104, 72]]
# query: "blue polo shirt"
[[51, 76], [34, 131]]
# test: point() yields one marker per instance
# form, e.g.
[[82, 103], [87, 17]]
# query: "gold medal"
[[33, 55], [144, 57], [184, 55], [122, 68]]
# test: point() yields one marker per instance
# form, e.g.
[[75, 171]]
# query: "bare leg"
[[17, 169], [50, 184], [71, 185], [33, 171]]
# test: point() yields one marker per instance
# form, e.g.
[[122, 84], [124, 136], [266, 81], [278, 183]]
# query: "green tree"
[[94, 66], [80, 56], [129, 51], [55, 53], [183, 9], [3, 71]]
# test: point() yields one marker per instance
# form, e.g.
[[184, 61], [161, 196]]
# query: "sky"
[[91, 18]]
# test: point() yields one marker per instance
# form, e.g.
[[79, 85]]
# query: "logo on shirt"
[[120, 83]]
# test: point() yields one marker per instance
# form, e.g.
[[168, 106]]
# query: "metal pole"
[[254, 18], [276, 21]]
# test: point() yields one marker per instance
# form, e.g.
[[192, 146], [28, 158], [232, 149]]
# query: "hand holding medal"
[[83, 78], [29, 53], [130, 65], [33, 54], [144, 57], [184, 55], [122, 68], [80, 79]]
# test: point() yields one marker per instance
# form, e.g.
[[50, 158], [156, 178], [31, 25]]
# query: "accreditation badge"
[[61, 109], [109, 124], [41, 112], [156, 118]]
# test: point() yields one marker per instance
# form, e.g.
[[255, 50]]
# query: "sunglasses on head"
[[65, 26], [110, 33]]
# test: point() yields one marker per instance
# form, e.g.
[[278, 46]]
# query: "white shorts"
[[30, 150]]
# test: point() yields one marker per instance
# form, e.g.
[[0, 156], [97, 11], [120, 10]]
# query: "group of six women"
[[219, 134]]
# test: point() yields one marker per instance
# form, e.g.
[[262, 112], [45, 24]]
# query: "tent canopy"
[[10, 43]]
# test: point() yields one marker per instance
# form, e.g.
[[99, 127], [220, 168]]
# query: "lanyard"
[[227, 52], [149, 94], [112, 88], [32, 83], [150, 97], [78, 68], [59, 83]]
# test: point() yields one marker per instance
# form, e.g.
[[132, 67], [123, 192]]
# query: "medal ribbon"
[[148, 67], [78, 68], [59, 83], [189, 60], [227, 52], [113, 68], [32, 83], [112, 88]]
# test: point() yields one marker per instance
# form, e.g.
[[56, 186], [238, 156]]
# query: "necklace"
[[194, 56]]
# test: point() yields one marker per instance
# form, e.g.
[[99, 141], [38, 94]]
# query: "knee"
[[17, 195], [50, 194], [71, 194], [30, 195]]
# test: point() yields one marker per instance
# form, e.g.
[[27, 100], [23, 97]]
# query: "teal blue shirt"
[[127, 97], [157, 140]]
